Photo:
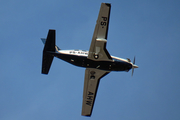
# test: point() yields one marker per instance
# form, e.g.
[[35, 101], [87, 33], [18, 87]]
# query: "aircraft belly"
[[72, 59], [83, 61]]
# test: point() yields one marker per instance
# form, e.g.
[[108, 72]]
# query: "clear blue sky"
[[149, 30]]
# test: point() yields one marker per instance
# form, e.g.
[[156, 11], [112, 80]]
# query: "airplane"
[[97, 61]]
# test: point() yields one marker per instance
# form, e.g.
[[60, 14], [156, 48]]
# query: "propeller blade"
[[132, 71], [134, 60]]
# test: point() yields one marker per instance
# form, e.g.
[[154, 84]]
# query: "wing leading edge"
[[91, 82]]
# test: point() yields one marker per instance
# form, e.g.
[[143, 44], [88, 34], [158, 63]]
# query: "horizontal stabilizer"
[[46, 62], [48, 49], [43, 40], [50, 41]]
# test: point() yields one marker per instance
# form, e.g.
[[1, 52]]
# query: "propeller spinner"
[[133, 66]]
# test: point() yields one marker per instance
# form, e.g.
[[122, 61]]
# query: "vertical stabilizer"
[[49, 48]]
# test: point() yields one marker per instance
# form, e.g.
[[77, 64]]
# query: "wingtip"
[[86, 115], [108, 4]]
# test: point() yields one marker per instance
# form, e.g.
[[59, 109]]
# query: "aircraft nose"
[[135, 66]]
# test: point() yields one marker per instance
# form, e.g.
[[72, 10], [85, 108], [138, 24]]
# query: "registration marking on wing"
[[89, 98]]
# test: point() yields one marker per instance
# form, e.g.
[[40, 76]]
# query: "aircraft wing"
[[98, 51], [91, 82]]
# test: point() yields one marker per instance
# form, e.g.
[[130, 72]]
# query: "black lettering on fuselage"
[[78, 52]]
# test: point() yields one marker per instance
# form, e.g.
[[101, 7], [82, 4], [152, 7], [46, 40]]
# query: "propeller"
[[133, 66]]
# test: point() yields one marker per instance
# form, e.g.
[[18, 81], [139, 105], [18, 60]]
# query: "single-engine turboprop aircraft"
[[97, 61]]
